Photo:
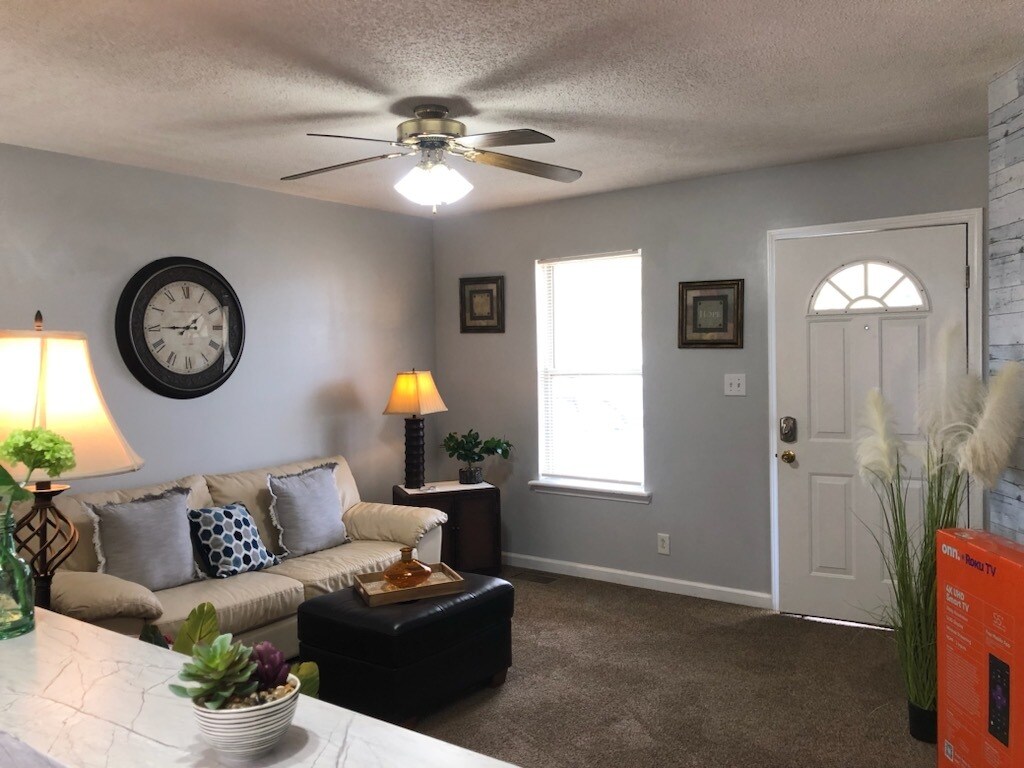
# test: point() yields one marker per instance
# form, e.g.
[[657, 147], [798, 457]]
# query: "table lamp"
[[47, 381], [416, 394]]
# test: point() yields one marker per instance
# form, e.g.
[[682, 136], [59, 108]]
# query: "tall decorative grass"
[[969, 432]]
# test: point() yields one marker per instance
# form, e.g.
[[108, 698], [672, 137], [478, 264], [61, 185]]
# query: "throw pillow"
[[227, 542], [306, 509], [146, 540]]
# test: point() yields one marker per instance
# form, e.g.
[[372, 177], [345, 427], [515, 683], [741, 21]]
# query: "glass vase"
[[17, 611], [407, 572]]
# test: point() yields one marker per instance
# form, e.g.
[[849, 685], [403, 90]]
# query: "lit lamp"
[[415, 394], [433, 182], [47, 381]]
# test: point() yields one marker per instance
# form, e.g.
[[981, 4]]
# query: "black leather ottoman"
[[396, 662]]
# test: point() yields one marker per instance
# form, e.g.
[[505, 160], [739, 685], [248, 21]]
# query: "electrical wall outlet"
[[736, 384], [663, 548]]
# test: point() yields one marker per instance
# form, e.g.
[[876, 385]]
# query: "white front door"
[[853, 311]]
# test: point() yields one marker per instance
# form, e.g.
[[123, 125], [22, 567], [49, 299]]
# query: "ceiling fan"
[[433, 135]]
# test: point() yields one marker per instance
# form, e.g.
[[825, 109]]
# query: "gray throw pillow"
[[146, 541], [306, 509]]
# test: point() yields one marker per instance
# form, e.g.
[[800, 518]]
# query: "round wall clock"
[[180, 327]]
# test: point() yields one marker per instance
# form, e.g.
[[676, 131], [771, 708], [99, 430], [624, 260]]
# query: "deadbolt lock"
[[787, 429]]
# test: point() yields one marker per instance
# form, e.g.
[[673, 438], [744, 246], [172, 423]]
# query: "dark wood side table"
[[471, 539]]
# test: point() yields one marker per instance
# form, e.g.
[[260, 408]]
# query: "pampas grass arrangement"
[[970, 431], [990, 443]]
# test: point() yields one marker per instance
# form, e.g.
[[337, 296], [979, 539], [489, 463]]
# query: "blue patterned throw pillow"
[[227, 542]]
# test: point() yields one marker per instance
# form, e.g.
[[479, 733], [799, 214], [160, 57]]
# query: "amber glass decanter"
[[407, 572]]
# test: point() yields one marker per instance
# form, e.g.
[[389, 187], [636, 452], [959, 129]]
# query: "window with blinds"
[[590, 370]]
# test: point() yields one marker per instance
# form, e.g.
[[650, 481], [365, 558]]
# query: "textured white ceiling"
[[634, 93]]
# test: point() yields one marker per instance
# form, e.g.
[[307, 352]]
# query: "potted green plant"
[[243, 698], [970, 431], [471, 449]]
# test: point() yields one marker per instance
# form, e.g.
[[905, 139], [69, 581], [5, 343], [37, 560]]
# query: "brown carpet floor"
[[607, 676]]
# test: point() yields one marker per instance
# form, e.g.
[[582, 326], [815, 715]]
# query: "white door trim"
[[974, 219]]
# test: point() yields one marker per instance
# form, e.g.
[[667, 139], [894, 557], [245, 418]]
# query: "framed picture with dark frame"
[[711, 314], [482, 304]]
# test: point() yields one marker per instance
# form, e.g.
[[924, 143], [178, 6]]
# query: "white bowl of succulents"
[[243, 698]]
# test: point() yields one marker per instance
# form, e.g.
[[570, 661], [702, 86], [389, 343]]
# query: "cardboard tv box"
[[980, 600]]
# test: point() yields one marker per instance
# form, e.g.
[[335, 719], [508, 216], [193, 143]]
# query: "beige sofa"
[[254, 606]]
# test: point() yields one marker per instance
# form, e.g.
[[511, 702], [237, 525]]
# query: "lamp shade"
[[433, 184], [415, 394], [47, 380]]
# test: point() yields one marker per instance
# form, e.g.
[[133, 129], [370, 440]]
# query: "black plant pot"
[[471, 475], [923, 723]]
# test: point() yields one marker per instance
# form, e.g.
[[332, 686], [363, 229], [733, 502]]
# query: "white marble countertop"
[[89, 697]]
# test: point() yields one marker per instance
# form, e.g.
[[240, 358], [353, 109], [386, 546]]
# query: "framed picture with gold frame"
[[711, 314], [482, 304]]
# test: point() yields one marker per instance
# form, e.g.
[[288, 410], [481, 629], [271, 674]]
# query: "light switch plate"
[[736, 384], [663, 544]]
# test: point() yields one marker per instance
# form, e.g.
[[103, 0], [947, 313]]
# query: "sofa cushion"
[[250, 489], [332, 569], [227, 542], [306, 510], [145, 541], [84, 556], [243, 602], [94, 596]]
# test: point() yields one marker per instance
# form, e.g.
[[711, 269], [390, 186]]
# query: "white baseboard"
[[644, 580]]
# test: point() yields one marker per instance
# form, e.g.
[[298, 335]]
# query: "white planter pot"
[[242, 734]]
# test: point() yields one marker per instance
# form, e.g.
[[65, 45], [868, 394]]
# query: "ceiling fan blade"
[[295, 176], [522, 165], [358, 138], [505, 138]]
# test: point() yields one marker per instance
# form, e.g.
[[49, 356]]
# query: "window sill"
[[592, 490]]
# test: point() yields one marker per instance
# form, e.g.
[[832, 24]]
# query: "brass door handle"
[[788, 456]]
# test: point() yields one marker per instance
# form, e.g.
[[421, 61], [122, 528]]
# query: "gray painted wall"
[[1006, 268], [336, 300], [707, 455]]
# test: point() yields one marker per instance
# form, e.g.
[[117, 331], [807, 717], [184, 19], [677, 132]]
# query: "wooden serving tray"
[[376, 591]]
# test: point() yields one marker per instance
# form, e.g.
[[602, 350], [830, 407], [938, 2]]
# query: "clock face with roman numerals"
[[186, 327], [180, 327]]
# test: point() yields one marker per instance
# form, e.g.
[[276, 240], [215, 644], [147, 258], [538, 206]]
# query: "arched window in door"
[[869, 286]]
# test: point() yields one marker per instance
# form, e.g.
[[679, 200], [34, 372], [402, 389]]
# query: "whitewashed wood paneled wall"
[[1006, 270]]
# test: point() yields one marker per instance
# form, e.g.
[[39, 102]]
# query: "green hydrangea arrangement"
[[38, 448]]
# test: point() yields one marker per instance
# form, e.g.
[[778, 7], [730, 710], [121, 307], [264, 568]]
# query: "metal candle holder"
[[45, 538]]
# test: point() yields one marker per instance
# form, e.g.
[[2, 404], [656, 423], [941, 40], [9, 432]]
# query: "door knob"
[[788, 456]]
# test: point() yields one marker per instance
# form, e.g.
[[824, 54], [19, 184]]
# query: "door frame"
[[976, 341]]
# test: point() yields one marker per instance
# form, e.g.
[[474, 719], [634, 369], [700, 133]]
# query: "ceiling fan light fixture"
[[432, 182], [433, 134]]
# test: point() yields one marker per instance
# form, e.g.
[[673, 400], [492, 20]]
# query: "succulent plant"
[[221, 670], [271, 668]]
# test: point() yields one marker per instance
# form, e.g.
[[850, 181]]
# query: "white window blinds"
[[590, 369]]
